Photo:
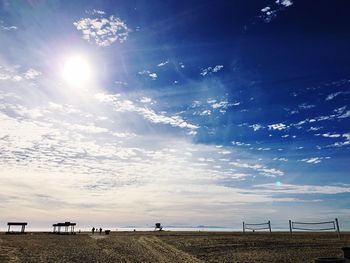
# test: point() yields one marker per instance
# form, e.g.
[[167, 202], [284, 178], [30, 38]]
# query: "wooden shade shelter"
[[68, 228], [22, 224]]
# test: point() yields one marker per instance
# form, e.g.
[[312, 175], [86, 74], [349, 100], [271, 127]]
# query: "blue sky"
[[189, 112]]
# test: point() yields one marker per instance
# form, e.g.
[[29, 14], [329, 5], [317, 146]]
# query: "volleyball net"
[[257, 227], [315, 226]]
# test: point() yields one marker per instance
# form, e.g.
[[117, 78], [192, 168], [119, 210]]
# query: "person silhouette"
[[100, 230], [93, 230]]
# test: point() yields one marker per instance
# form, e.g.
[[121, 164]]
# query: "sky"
[[127, 113]]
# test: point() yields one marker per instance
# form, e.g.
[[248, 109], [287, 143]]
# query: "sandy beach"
[[170, 247]]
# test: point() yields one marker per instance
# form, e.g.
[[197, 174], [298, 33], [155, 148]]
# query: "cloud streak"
[[121, 105]]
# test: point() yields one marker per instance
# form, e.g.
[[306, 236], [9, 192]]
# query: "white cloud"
[[7, 73], [282, 159], [218, 68], [161, 64], [121, 83], [285, 3], [6, 28], [153, 76], [31, 74], [314, 160], [103, 31], [265, 9], [256, 127], [332, 95], [221, 104], [240, 143], [262, 149], [272, 172], [123, 134], [329, 135], [340, 110], [204, 112], [339, 114], [344, 115], [145, 100], [314, 128], [268, 13], [342, 143], [224, 152], [209, 70], [144, 72], [277, 126]]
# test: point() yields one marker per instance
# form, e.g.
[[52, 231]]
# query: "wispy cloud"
[[263, 170], [222, 105], [314, 160], [305, 106], [304, 189], [95, 12], [14, 73], [336, 94], [121, 105]]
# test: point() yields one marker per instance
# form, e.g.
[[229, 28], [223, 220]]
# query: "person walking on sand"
[[93, 230], [100, 230]]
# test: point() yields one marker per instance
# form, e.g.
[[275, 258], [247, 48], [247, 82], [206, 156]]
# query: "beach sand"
[[170, 247]]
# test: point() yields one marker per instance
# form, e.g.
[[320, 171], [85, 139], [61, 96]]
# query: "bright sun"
[[77, 71]]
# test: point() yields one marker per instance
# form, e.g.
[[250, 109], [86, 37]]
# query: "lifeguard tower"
[[158, 226]]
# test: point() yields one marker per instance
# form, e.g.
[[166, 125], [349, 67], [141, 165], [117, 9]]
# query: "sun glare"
[[77, 71]]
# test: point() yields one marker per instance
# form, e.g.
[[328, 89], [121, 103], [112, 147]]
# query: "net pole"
[[337, 225], [243, 228], [290, 227], [269, 226]]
